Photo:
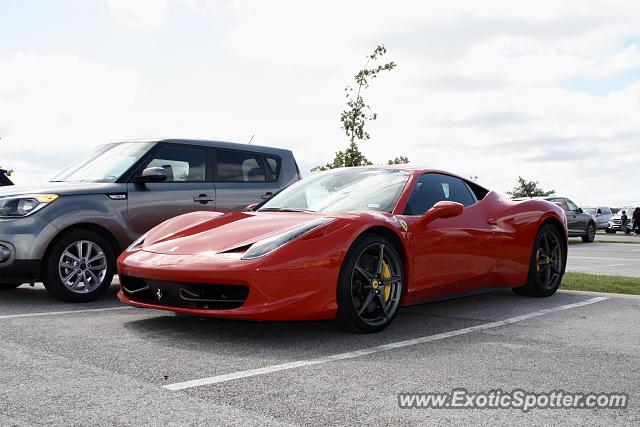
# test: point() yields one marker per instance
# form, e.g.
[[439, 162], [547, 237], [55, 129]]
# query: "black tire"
[[87, 289], [9, 286], [539, 264], [591, 233], [382, 282]]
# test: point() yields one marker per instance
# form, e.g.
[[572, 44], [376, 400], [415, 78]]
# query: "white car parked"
[[601, 214], [615, 223]]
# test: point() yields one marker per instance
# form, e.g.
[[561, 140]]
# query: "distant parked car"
[[601, 214], [579, 223], [4, 179], [615, 223], [69, 232]]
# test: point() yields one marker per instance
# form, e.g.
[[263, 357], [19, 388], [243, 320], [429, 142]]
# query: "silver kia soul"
[[69, 232]]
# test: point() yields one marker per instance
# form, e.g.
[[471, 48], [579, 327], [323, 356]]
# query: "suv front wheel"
[[79, 266], [591, 233]]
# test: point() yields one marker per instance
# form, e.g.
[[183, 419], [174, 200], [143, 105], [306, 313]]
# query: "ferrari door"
[[451, 254]]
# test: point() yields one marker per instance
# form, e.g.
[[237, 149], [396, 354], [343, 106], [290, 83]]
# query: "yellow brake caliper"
[[386, 275]]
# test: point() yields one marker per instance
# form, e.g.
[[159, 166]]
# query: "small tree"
[[400, 160], [355, 117], [528, 189]]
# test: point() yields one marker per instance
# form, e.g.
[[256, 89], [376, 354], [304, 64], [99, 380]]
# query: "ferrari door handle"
[[492, 221], [204, 199], [267, 195]]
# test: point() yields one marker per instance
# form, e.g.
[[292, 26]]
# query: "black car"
[[4, 180], [579, 223]]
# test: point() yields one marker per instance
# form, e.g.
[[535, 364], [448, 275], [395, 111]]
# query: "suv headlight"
[[266, 246], [25, 205]]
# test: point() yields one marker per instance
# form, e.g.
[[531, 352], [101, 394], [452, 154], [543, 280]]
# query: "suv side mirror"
[[580, 210], [442, 209], [155, 174]]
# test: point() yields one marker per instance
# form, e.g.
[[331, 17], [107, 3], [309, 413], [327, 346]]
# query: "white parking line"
[[353, 354], [55, 313]]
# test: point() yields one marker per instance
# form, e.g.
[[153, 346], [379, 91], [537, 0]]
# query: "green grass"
[[600, 283]]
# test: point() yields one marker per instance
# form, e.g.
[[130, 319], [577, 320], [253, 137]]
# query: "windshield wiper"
[[283, 209]]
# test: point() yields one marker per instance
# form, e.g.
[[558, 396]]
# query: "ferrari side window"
[[432, 188], [445, 189]]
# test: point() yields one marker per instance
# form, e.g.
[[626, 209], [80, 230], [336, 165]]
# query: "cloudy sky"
[[494, 89]]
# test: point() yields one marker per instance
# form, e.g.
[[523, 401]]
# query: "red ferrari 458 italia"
[[353, 245]]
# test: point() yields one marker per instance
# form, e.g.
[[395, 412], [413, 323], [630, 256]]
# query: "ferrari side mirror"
[[442, 209]]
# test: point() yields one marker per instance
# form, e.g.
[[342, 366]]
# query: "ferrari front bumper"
[[277, 289]]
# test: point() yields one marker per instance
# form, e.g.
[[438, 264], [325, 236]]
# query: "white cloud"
[[56, 106], [140, 15], [543, 90]]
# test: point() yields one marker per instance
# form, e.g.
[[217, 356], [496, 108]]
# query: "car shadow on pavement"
[[224, 335], [37, 299]]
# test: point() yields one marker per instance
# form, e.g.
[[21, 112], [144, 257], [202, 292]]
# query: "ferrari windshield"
[[342, 190], [104, 164]]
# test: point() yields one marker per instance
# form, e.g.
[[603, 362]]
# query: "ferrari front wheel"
[[370, 285], [547, 264]]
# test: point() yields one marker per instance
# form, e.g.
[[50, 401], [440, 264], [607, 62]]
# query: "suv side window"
[[274, 166], [238, 166], [432, 188], [182, 164], [559, 202], [572, 206]]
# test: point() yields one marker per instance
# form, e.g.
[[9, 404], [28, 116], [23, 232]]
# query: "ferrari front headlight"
[[24, 205], [138, 242], [266, 246]]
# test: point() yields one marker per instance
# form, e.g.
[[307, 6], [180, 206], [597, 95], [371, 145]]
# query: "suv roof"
[[211, 143]]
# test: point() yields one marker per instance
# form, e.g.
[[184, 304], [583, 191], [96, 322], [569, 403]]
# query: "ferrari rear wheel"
[[547, 264], [370, 285]]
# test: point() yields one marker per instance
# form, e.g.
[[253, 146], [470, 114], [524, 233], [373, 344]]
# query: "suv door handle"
[[204, 199], [492, 221], [267, 195]]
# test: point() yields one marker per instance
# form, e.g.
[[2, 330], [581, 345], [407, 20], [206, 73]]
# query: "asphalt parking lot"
[[605, 258], [105, 364]]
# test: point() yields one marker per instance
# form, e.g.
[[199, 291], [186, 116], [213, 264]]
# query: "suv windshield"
[[106, 163], [342, 190]]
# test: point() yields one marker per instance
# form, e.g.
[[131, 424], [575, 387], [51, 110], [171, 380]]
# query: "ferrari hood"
[[214, 232]]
